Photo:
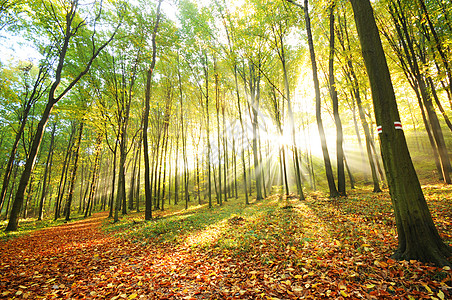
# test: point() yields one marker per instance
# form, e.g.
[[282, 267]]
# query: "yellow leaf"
[[298, 276], [411, 297], [383, 264], [441, 295], [287, 282], [133, 296], [370, 286], [343, 293], [427, 288]]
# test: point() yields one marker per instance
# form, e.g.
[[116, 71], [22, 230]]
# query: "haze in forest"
[[126, 106]]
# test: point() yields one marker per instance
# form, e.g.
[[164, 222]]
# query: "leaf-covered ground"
[[273, 249]]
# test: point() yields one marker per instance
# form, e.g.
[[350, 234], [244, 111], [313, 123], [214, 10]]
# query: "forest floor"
[[272, 249]]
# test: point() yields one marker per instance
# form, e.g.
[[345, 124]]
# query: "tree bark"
[[46, 174], [417, 234], [64, 172], [147, 184], [209, 150], [242, 136], [217, 105], [326, 156], [94, 176], [337, 119], [111, 202], [74, 172]]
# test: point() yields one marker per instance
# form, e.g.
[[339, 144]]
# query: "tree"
[[39, 88], [147, 168], [47, 172], [417, 235], [74, 172], [7, 15], [334, 98], [72, 24], [326, 156]]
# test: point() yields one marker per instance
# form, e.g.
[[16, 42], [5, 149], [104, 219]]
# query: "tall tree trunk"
[[262, 168], [113, 181], [227, 187], [176, 173], [147, 171], [46, 174], [29, 196], [74, 172], [20, 193], [326, 156], [198, 183], [234, 157], [350, 175], [82, 181], [417, 234], [356, 95], [64, 171], [133, 177], [186, 171], [121, 201], [156, 163], [296, 159], [165, 163], [337, 119], [217, 104], [282, 152], [94, 175], [254, 88], [242, 143], [11, 191], [138, 185], [367, 136], [209, 150]]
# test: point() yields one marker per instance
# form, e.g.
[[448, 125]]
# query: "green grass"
[[176, 226], [29, 225]]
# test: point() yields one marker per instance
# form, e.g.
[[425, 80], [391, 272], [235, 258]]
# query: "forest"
[[226, 149]]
